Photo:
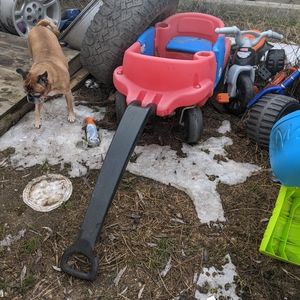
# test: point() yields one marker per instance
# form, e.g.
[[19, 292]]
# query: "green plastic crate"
[[282, 237]]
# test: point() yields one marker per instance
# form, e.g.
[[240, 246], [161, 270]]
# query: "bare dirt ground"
[[141, 215]]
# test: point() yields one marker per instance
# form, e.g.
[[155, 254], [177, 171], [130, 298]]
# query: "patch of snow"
[[10, 239], [225, 127], [198, 174], [218, 282], [56, 141]]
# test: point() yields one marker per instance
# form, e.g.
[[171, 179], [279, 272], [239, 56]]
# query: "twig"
[[45, 289], [128, 246], [165, 286], [248, 208], [120, 274], [290, 274]]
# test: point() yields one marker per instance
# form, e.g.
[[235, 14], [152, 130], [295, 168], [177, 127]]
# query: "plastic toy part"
[[276, 89], [68, 17], [175, 64], [284, 149], [282, 239], [114, 165], [168, 83], [222, 98]]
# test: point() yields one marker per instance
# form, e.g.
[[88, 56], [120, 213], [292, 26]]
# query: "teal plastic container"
[[284, 149]]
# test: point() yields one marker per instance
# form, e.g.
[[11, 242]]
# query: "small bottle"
[[91, 131]]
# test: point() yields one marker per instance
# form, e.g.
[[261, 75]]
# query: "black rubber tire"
[[114, 28], [275, 60], [265, 113], [193, 125], [244, 93], [120, 105]]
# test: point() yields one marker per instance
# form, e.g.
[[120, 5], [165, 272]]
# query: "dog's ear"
[[22, 73], [43, 79]]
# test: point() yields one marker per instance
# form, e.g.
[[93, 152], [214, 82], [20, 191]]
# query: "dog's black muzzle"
[[33, 99]]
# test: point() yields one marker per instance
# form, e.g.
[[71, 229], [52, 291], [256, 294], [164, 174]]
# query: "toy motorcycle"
[[247, 53]]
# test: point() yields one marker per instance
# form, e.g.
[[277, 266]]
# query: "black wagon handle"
[[80, 247], [123, 143]]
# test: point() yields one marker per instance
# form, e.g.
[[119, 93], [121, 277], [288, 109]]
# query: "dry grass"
[[245, 17], [74, 3], [284, 21]]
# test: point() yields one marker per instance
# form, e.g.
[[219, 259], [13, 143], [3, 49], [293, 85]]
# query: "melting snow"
[[217, 282], [225, 127], [59, 142], [198, 174], [9, 239]]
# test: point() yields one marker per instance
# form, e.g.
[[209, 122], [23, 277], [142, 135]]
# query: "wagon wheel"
[[192, 124]]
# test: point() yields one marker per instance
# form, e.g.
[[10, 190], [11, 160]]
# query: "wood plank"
[[10, 59], [15, 48], [11, 39], [78, 78], [5, 44], [11, 87]]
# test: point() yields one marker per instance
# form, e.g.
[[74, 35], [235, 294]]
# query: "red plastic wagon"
[[175, 65]]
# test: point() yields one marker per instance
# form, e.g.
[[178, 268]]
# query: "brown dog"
[[49, 73]]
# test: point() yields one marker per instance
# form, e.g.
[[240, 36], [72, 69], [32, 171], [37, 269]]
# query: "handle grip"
[[84, 248], [275, 35], [227, 30], [245, 42]]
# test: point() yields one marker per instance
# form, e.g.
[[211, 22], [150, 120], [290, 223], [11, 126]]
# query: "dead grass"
[[74, 4], [286, 22]]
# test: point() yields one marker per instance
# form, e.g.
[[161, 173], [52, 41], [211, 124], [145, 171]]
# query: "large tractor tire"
[[114, 28], [265, 113]]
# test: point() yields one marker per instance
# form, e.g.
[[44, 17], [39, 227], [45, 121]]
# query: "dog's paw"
[[71, 118], [37, 125]]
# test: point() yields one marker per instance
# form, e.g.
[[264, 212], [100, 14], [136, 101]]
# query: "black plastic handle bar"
[[124, 141]]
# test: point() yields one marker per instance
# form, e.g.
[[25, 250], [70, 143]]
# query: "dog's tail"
[[49, 24]]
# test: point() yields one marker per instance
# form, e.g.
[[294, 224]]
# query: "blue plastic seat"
[[189, 44]]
